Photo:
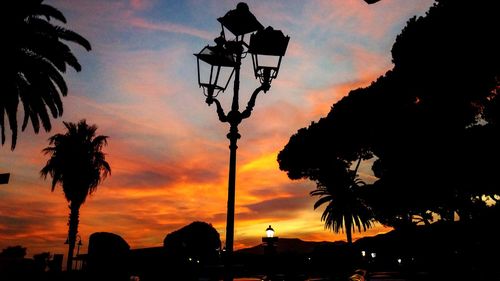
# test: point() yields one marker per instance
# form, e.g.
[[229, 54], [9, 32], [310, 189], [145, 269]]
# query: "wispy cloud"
[[171, 27]]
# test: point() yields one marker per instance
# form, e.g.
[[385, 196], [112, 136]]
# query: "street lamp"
[[221, 66], [79, 244], [270, 241], [267, 47], [270, 232], [240, 21], [228, 54]]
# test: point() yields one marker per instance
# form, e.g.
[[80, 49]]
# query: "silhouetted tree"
[[324, 153], [431, 121], [344, 206], [41, 261], [37, 56], [13, 252], [14, 265], [78, 164], [198, 241], [442, 139]]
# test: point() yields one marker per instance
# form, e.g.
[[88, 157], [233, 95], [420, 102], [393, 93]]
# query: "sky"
[[167, 149]]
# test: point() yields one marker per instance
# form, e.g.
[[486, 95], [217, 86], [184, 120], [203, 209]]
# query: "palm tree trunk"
[[348, 229], [73, 230], [357, 166], [348, 219]]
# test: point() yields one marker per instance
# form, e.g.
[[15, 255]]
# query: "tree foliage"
[[35, 57], [78, 164], [431, 121], [198, 240], [13, 252]]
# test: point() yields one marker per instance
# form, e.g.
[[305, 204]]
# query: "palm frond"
[[49, 98], [11, 110], [77, 158], [39, 64], [41, 111], [322, 201], [72, 36], [72, 61], [38, 54], [49, 12]]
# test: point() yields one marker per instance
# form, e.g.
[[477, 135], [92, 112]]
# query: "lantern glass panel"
[[214, 77], [267, 61]]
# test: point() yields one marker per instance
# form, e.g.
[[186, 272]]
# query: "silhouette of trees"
[[344, 205], [41, 261], [37, 56], [443, 138], [78, 164], [325, 155], [13, 252], [198, 241], [431, 123]]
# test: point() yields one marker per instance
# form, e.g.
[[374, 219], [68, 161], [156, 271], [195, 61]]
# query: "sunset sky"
[[167, 149]]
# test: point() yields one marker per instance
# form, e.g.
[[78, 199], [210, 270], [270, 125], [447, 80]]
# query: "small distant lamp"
[[363, 253], [267, 47], [270, 232], [215, 69], [270, 242], [374, 255]]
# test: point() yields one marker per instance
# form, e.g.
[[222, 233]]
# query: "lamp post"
[[225, 57], [269, 232], [79, 244], [270, 242]]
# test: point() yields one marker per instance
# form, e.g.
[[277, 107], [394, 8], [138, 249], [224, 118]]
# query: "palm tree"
[[37, 56], [78, 164], [344, 206]]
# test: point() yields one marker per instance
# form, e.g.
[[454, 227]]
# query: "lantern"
[[267, 47], [215, 69]]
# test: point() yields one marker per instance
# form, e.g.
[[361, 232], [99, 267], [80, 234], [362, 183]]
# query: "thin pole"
[[234, 119], [231, 192]]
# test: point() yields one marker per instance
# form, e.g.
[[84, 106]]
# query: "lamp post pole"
[[270, 243], [69, 265], [79, 245], [227, 55], [234, 119]]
